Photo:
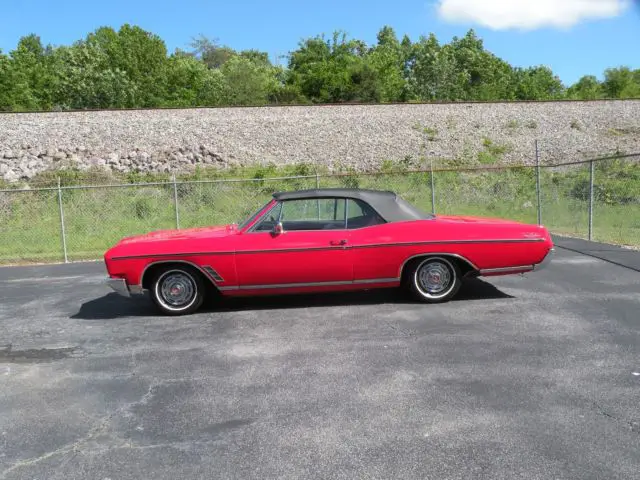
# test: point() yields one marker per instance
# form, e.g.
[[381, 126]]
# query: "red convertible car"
[[324, 240]]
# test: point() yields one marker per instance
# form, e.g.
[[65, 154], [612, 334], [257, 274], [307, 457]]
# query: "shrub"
[[615, 182]]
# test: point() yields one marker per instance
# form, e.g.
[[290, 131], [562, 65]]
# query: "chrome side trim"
[[287, 250], [291, 250], [170, 255], [212, 273], [521, 268], [451, 242], [311, 284], [175, 261], [377, 280]]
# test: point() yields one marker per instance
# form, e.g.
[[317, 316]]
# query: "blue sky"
[[573, 37]]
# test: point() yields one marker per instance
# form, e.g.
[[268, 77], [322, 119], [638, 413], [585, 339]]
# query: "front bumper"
[[119, 285], [545, 261]]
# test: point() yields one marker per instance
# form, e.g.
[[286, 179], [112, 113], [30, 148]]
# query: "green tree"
[[7, 102], [247, 82], [87, 81], [130, 67], [332, 70], [33, 75], [387, 60], [209, 52], [621, 82], [191, 83], [257, 57], [537, 83], [434, 73], [587, 88], [460, 70], [141, 54]]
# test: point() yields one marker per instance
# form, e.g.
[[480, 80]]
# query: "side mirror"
[[278, 229]]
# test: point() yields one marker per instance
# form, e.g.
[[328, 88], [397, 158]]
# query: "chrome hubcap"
[[177, 289], [434, 278]]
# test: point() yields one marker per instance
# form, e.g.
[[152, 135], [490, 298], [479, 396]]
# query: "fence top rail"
[[595, 160], [169, 183]]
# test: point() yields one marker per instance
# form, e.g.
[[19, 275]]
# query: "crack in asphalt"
[[119, 443], [630, 424], [96, 430], [397, 329]]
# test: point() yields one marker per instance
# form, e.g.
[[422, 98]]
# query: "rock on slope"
[[357, 136]]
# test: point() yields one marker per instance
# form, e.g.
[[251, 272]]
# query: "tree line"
[[131, 68]]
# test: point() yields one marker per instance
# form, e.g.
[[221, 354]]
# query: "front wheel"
[[178, 290], [434, 280]]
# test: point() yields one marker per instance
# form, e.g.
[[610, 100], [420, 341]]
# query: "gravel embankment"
[[357, 136]]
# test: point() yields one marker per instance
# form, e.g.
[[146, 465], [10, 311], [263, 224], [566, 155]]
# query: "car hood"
[[182, 234]]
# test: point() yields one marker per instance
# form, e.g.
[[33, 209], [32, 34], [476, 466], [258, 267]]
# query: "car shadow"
[[113, 306]]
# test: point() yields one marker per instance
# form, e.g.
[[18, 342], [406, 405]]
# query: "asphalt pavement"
[[523, 377]]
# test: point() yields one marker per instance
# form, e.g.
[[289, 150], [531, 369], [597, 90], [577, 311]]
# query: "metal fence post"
[[591, 171], [175, 202], [433, 190], [62, 231], [318, 201], [538, 183]]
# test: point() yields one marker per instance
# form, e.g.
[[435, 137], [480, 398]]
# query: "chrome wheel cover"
[[176, 290], [435, 278]]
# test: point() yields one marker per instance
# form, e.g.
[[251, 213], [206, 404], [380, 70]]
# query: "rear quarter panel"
[[381, 251]]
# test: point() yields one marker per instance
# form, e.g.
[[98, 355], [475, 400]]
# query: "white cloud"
[[528, 14]]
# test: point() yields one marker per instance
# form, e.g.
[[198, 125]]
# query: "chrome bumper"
[[545, 261], [119, 285]]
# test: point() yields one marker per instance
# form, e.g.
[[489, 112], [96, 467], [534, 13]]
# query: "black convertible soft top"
[[386, 203]]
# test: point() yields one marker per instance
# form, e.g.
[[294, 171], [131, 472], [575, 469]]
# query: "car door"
[[313, 248], [375, 257]]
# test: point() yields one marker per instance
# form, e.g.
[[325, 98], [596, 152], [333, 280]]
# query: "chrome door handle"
[[338, 242]]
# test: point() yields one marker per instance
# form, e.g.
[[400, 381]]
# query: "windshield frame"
[[251, 220]]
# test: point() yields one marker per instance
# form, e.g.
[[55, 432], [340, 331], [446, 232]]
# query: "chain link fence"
[[595, 199]]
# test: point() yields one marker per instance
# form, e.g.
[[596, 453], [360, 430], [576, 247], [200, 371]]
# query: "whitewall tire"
[[434, 280], [177, 290]]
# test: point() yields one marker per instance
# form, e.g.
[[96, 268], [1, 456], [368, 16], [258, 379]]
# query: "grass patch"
[[618, 132], [495, 148], [431, 133], [98, 217]]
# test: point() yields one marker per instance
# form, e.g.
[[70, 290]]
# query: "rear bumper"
[[545, 261]]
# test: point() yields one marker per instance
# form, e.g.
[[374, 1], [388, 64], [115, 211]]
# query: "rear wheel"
[[177, 290], [434, 280]]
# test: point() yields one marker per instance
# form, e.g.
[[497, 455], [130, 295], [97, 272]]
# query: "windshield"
[[247, 221]]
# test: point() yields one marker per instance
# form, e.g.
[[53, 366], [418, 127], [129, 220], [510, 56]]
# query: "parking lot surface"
[[533, 377]]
